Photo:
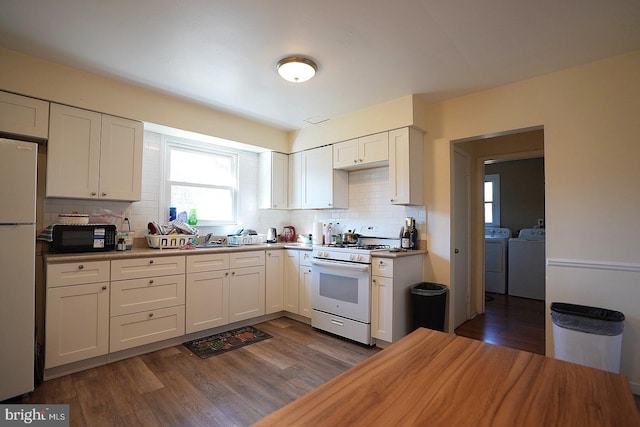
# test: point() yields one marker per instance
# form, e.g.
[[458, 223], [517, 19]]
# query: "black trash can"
[[590, 336], [428, 304]]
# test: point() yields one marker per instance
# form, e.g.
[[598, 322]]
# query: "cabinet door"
[[345, 154], [77, 319], [374, 149], [406, 184], [22, 115], [322, 186], [207, 302], [274, 273], [274, 180], [121, 159], [246, 293], [382, 308], [305, 291], [73, 153], [295, 181], [291, 280]]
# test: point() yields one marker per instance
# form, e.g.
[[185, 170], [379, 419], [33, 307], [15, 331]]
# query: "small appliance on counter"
[[74, 238], [272, 235], [288, 234]]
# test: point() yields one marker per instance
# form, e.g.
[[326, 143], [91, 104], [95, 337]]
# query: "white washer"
[[496, 241], [527, 264]]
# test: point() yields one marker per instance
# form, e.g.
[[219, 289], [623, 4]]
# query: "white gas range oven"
[[341, 288]]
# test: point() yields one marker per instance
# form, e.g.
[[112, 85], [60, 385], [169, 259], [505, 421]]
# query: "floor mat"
[[226, 341]]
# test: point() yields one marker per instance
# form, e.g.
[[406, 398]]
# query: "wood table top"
[[437, 379]]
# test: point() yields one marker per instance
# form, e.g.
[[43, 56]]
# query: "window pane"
[[201, 168], [212, 204], [488, 191], [488, 213]]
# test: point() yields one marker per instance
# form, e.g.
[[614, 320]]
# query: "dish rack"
[[168, 241]]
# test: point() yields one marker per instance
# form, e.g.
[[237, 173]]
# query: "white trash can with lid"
[[589, 336]]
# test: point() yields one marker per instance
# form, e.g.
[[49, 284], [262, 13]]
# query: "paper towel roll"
[[317, 233]]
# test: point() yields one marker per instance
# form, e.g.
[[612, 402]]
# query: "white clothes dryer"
[[527, 264]]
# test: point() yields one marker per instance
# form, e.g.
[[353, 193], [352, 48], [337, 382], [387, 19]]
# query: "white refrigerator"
[[18, 164]]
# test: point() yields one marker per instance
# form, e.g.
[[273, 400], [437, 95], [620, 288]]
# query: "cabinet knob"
[[355, 161], [104, 287], [233, 273], [80, 267], [93, 193], [103, 194], [150, 261], [391, 200], [150, 314], [226, 274], [151, 282], [360, 160], [374, 281]]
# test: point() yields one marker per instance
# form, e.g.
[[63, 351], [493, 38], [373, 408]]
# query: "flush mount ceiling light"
[[296, 69]]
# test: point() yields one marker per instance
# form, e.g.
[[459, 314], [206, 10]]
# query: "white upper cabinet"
[[93, 156], [406, 170], [322, 186], [22, 115], [273, 180], [295, 181], [361, 153]]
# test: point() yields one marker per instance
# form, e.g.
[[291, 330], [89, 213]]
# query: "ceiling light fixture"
[[296, 69]]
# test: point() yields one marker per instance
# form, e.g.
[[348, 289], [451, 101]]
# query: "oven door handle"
[[348, 265]]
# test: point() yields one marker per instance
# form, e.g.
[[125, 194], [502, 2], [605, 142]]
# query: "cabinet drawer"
[[382, 267], [208, 262], [77, 273], [136, 329], [123, 269], [136, 295], [246, 259], [305, 258]]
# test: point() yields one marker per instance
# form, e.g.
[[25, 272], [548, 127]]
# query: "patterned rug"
[[226, 341]]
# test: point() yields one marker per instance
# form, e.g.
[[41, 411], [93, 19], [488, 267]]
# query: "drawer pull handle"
[[104, 287], [80, 267], [151, 282], [150, 314]]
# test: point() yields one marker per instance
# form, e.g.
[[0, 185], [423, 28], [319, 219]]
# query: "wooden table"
[[435, 379]]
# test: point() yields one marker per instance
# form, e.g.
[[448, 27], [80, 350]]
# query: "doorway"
[[508, 146]]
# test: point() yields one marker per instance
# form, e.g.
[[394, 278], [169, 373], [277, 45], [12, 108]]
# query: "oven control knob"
[[353, 257]]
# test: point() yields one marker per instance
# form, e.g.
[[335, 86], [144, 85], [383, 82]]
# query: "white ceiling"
[[223, 53]]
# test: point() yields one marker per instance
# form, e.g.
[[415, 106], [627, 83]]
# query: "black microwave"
[[69, 238]]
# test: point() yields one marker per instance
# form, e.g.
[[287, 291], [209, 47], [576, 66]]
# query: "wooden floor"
[[509, 321], [173, 387]]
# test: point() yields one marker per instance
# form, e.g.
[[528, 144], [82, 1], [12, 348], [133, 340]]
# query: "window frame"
[[494, 178], [171, 142]]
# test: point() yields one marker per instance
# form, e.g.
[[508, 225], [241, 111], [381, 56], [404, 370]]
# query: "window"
[[492, 200], [202, 177]]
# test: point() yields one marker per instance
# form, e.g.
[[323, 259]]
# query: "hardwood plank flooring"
[[509, 321], [173, 387]]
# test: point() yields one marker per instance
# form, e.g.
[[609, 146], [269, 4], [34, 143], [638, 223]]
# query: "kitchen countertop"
[[399, 254], [437, 379], [143, 251]]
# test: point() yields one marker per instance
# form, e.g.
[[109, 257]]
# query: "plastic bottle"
[[193, 217]]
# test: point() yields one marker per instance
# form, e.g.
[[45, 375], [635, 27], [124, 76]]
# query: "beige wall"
[[592, 170], [34, 77]]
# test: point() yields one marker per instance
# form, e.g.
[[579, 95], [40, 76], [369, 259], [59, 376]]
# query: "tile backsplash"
[[368, 202]]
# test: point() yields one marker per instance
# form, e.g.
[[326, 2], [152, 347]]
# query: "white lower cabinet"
[[77, 312], [391, 282], [246, 285], [305, 284], [147, 301], [274, 272], [291, 280], [207, 301]]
